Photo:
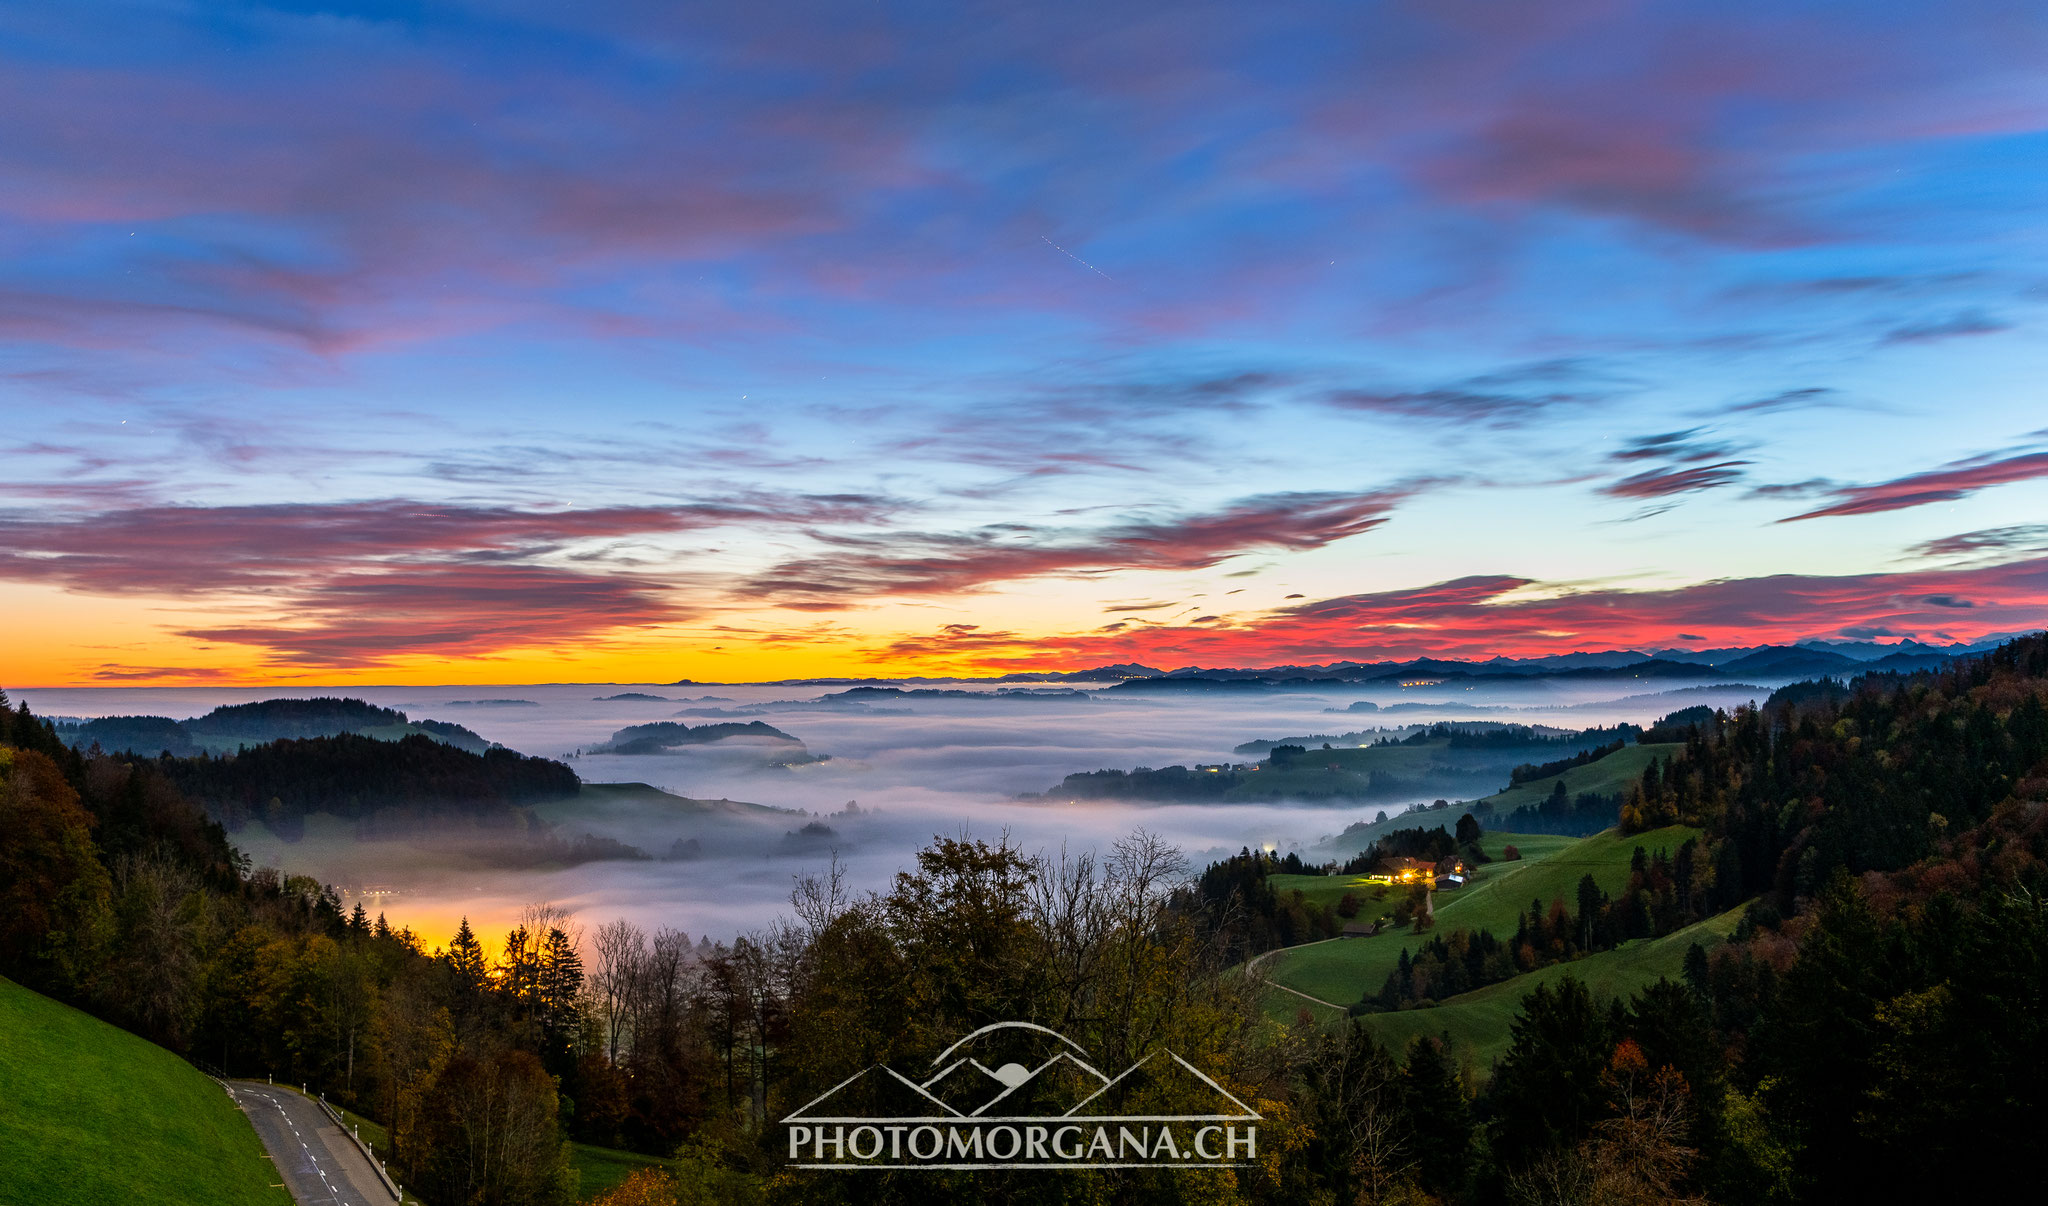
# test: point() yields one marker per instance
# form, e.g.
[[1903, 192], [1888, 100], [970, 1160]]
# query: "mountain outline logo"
[[1010, 1110]]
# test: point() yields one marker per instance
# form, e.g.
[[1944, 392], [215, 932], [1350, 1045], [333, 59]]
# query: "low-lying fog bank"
[[918, 765]]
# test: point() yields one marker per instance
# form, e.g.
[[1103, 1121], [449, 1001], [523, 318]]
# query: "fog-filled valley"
[[749, 786]]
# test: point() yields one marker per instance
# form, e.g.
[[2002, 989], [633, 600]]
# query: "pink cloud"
[[450, 611], [860, 567], [1953, 481], [1479, 617], [1657, 483], [201, 550]]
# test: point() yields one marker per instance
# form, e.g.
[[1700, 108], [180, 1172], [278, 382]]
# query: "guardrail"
[[392, 1187], [356, 1138]]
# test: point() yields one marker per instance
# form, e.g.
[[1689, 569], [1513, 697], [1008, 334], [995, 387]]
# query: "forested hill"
[[1883, 1010], [1876, 775], [231, 726], [353, 776], [1452, 760]]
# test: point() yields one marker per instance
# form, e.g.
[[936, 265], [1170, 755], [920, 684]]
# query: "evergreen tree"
[[1818, 1038], [1439, 1118], [1547, 1091], [466, 960], [560, 982], [1590, 900]]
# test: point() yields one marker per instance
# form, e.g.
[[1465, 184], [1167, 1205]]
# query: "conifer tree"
[[1439, 1117], [466, 959]]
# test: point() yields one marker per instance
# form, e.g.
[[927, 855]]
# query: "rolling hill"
[[1341, 972], [1479, 1022], [1608, 776], [93, 1115], [232, 726]]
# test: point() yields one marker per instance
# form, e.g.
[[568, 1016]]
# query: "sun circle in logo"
[[1013, 1074]]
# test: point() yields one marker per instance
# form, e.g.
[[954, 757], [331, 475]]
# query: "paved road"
[[315, 1160]]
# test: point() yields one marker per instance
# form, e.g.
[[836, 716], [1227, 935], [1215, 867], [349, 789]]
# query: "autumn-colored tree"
[[487, 1134], [54, 892], [1639, 1153], [644, 1187]]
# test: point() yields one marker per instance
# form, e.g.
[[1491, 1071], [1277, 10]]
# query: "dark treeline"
[[1470, 736], [1543, 770], [1875, 1030], [354, 776], [1560, 812], [233, 725], [1424, 844], [271, 719], [1146, 783], [1253, 916]]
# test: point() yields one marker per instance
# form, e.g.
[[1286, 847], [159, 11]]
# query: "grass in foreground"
[[601, 1168], [91, 1114]]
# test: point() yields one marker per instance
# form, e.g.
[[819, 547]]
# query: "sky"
[[520, 342]]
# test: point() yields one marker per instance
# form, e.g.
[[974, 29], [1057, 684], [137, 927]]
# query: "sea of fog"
[[918, 768]]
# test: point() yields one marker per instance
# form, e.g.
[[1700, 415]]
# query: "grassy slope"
[[600, 1168], [1478, 1022], [1342, 972], [1530, 846], [1608, 776], [92, 1114], [1329, 889]]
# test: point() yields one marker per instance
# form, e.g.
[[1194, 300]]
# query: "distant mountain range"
[[1805, 659]]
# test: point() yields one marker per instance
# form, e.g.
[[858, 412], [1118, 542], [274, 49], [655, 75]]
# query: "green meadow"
[[1478, 1023], [1341, 972], [1610, 776], [91, 1115]]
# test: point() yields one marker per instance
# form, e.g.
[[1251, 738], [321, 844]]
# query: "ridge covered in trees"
[[232, 726], [355, 777], [1445, 758]]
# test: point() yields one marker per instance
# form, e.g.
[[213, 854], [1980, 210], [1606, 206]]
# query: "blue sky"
[[511, 340]]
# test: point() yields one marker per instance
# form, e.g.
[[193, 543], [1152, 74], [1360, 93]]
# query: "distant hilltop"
[[230, 727], [1803, 659]]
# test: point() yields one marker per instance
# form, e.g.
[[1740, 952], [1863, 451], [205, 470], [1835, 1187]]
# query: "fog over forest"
[[917, 765]]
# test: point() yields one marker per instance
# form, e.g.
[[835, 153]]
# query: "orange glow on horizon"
[[58, 639]]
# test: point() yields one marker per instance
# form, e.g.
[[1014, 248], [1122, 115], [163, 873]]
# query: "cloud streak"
[[1958, 479], [359, 583], [1484, 615], [858, 567]]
